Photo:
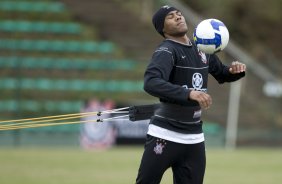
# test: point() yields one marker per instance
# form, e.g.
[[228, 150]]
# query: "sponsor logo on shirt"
[[197, 81]]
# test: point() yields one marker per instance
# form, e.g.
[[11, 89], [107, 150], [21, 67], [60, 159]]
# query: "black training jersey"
[[174, 70]]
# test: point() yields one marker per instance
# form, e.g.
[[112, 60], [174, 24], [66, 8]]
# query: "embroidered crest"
[[160, 144]]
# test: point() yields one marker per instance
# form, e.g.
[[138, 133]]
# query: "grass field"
[[120, 164]]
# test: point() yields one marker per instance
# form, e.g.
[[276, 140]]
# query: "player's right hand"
[[202, 98]]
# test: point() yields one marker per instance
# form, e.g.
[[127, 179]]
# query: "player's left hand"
[[237, 67]]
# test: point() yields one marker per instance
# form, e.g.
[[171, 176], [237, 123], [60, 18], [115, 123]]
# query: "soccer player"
[[177, 74]]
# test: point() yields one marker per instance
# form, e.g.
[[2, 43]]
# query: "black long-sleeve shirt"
[[175, 69]]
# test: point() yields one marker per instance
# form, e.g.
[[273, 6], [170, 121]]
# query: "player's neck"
[[181, 39]]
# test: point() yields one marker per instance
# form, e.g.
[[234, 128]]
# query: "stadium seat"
[[64, 63], [10, 105], [40, 27], [68, 85], [22, 26], [8, 26], [32, 6], [8, 83], [9, 62], [212, 128], [75, 46], [105, 47], [57, 46]]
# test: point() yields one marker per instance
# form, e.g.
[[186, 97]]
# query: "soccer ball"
[[211, 36]]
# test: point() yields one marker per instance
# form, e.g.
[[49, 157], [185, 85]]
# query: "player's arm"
[[202, 98], [156, 78], [223, 73]]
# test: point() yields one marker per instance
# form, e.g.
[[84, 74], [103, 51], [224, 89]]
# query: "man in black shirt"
[[177, 75]]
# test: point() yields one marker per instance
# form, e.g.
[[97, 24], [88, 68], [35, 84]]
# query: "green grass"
[[120, 164]]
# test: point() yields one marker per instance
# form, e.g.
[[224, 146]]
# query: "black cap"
[[159, 18]]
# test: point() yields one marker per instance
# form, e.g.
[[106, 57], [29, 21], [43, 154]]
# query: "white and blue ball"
[[211, 36]]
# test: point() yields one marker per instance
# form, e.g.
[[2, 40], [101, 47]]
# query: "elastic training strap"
[[142, 112]]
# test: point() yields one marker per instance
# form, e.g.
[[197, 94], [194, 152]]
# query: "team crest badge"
[[160, 144], [203, 56]]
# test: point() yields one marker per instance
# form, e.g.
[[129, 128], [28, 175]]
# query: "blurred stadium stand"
[[37, 106], [50, 63], [32, 6], [40, 26], [56, 46], [9, 62], [71, 85]]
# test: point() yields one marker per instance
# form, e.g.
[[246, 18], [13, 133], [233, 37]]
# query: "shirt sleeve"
[[156, 78], [220, 71]]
